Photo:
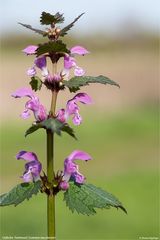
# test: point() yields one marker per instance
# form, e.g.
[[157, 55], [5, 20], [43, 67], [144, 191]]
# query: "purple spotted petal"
[[32, 171], [40, 62], [69, 62], [28, 156], [31, 72], [34, 167], [27, 177], [78, 71], [31, 49], [79, 178], [78, 50], [23, 92], [77, 119], [25, 114]]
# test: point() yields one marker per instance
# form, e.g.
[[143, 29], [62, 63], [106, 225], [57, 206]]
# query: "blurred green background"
[[120, 132]]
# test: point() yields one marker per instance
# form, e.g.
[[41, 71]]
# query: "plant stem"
[[50, 170], [53, 103], [50, 174]]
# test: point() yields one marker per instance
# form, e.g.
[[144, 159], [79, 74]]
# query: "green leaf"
[[19, 193], [86, 197], [52, 47], [68, 27], [52, 124], [66, 128], [75, 83], [33, 29], [47, 18], [36, 83], [33, 128]]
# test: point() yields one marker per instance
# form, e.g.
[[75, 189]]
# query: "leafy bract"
[[19, 193], [34, 29], [36, 83], [75, 83], [86, 197], [47, 18], [32, 129], [69, 26], [52, 124], [52, 47]]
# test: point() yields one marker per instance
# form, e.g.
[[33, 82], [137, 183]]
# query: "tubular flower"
[[33, 104], [41, 63], [72, 108], [70, 61], [71, 170], [32, 168]]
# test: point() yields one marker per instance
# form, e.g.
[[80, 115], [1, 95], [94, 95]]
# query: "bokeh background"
[[120, 130]]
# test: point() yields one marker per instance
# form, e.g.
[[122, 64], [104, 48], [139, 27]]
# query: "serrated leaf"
[[19, 193], [86, 197], [36, 83], [68, 27], [33, 29], [47, 18], [52, 47], [75, 83]]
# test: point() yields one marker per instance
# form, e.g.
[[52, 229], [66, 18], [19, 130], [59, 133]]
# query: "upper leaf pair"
[[48, 19]]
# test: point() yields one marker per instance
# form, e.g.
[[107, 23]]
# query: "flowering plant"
[[79, 195]]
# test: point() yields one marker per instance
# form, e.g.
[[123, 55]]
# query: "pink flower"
[[32, 168], [33, 104], [31, 72], [72, 108], [29, 50], [71, 170], [41, 63], [70, 61]]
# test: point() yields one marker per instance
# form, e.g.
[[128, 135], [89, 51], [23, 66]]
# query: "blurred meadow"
[[120, 131]]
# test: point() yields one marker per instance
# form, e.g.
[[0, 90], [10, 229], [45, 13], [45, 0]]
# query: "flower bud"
[[64, 185], [57, 31]]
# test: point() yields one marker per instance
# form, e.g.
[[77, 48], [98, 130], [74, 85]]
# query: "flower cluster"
[[68, 59], [33, 167], [71, 171]]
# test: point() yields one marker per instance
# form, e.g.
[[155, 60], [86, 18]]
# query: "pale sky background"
[[102, 14]]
